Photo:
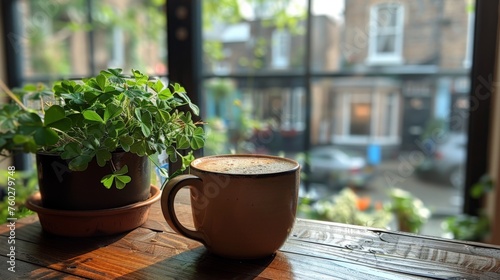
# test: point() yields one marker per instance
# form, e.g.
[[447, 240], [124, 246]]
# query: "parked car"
[[446, 164], [337, 169]]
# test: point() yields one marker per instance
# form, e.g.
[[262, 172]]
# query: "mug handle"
[[170, 190]]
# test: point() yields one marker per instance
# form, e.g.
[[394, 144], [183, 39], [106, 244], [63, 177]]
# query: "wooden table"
[[314, 250]]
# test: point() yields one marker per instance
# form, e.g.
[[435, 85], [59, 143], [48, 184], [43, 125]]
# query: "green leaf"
[[183, 95], [182, 142], [29, 87], [80, 163], [121, 181], [55, 117], [110, 90], [115, 75], [101, 81], [116, 128], [74, 98], [146, 124], [91, 97], [45, 136], [138, 148], [21, 139], [30, 120], [102, 156], [171, 152], [178, 88], [198, 140], [92, 116], [114, 71], [71, 150], [194, 108], [110, 144], [138, 113], [107, 180], [88, 143], [127, 139], [163, 172], [95, 129], [122, 171], [165, 94], [112, 111], [164, 115], [483, 186], [186, 118], [157, 86], [187, 159], [77, 119]]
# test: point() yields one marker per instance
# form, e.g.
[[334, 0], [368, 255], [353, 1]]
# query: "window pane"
[[261, 118], [386, 43], [388, 95], [130, 34], [360, 119], [54, 40], [386, 16], [77, 38], [252, 36]]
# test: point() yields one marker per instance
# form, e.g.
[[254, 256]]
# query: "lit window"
[[368, 117]]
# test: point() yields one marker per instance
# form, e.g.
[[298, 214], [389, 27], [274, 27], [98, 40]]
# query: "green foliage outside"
[[52, 24], [469, 227], [409, 211], [346, 207], [232, 11], [26, 183]]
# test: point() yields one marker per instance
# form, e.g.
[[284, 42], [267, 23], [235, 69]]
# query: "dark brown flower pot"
[[61, 188]]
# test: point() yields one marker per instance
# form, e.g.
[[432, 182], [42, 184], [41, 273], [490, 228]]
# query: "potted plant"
[[471, 227], [94, 138], [410, 212]]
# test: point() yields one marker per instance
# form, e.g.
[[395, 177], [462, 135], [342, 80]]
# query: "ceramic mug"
[[243, 206]]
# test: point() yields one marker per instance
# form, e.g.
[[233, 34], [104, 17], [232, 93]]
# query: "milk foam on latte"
[[248, 165]]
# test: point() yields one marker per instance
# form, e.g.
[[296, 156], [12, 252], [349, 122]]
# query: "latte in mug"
[[248, 165], [244, 206]]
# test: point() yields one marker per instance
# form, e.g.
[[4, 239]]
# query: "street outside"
[[442, 200]]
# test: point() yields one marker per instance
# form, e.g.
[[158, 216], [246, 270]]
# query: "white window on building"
[[117, 51], [293, 114], [386, 34], [280, 49]]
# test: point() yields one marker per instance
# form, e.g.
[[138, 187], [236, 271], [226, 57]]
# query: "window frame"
[[374, 56]]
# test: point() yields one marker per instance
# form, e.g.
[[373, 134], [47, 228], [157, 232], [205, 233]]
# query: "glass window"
[[386, 80], [252, 36], [386, 33], [281, 49], [360, 118], [78, 38]]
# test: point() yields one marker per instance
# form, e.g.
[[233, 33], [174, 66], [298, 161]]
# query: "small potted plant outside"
[[410, 211], [100, 134], [471, 227]]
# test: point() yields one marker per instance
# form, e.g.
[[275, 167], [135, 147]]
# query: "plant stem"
[[112, 165], [12, 95]]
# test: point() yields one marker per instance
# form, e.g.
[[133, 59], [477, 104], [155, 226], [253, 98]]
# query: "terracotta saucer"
[[94, 222]]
